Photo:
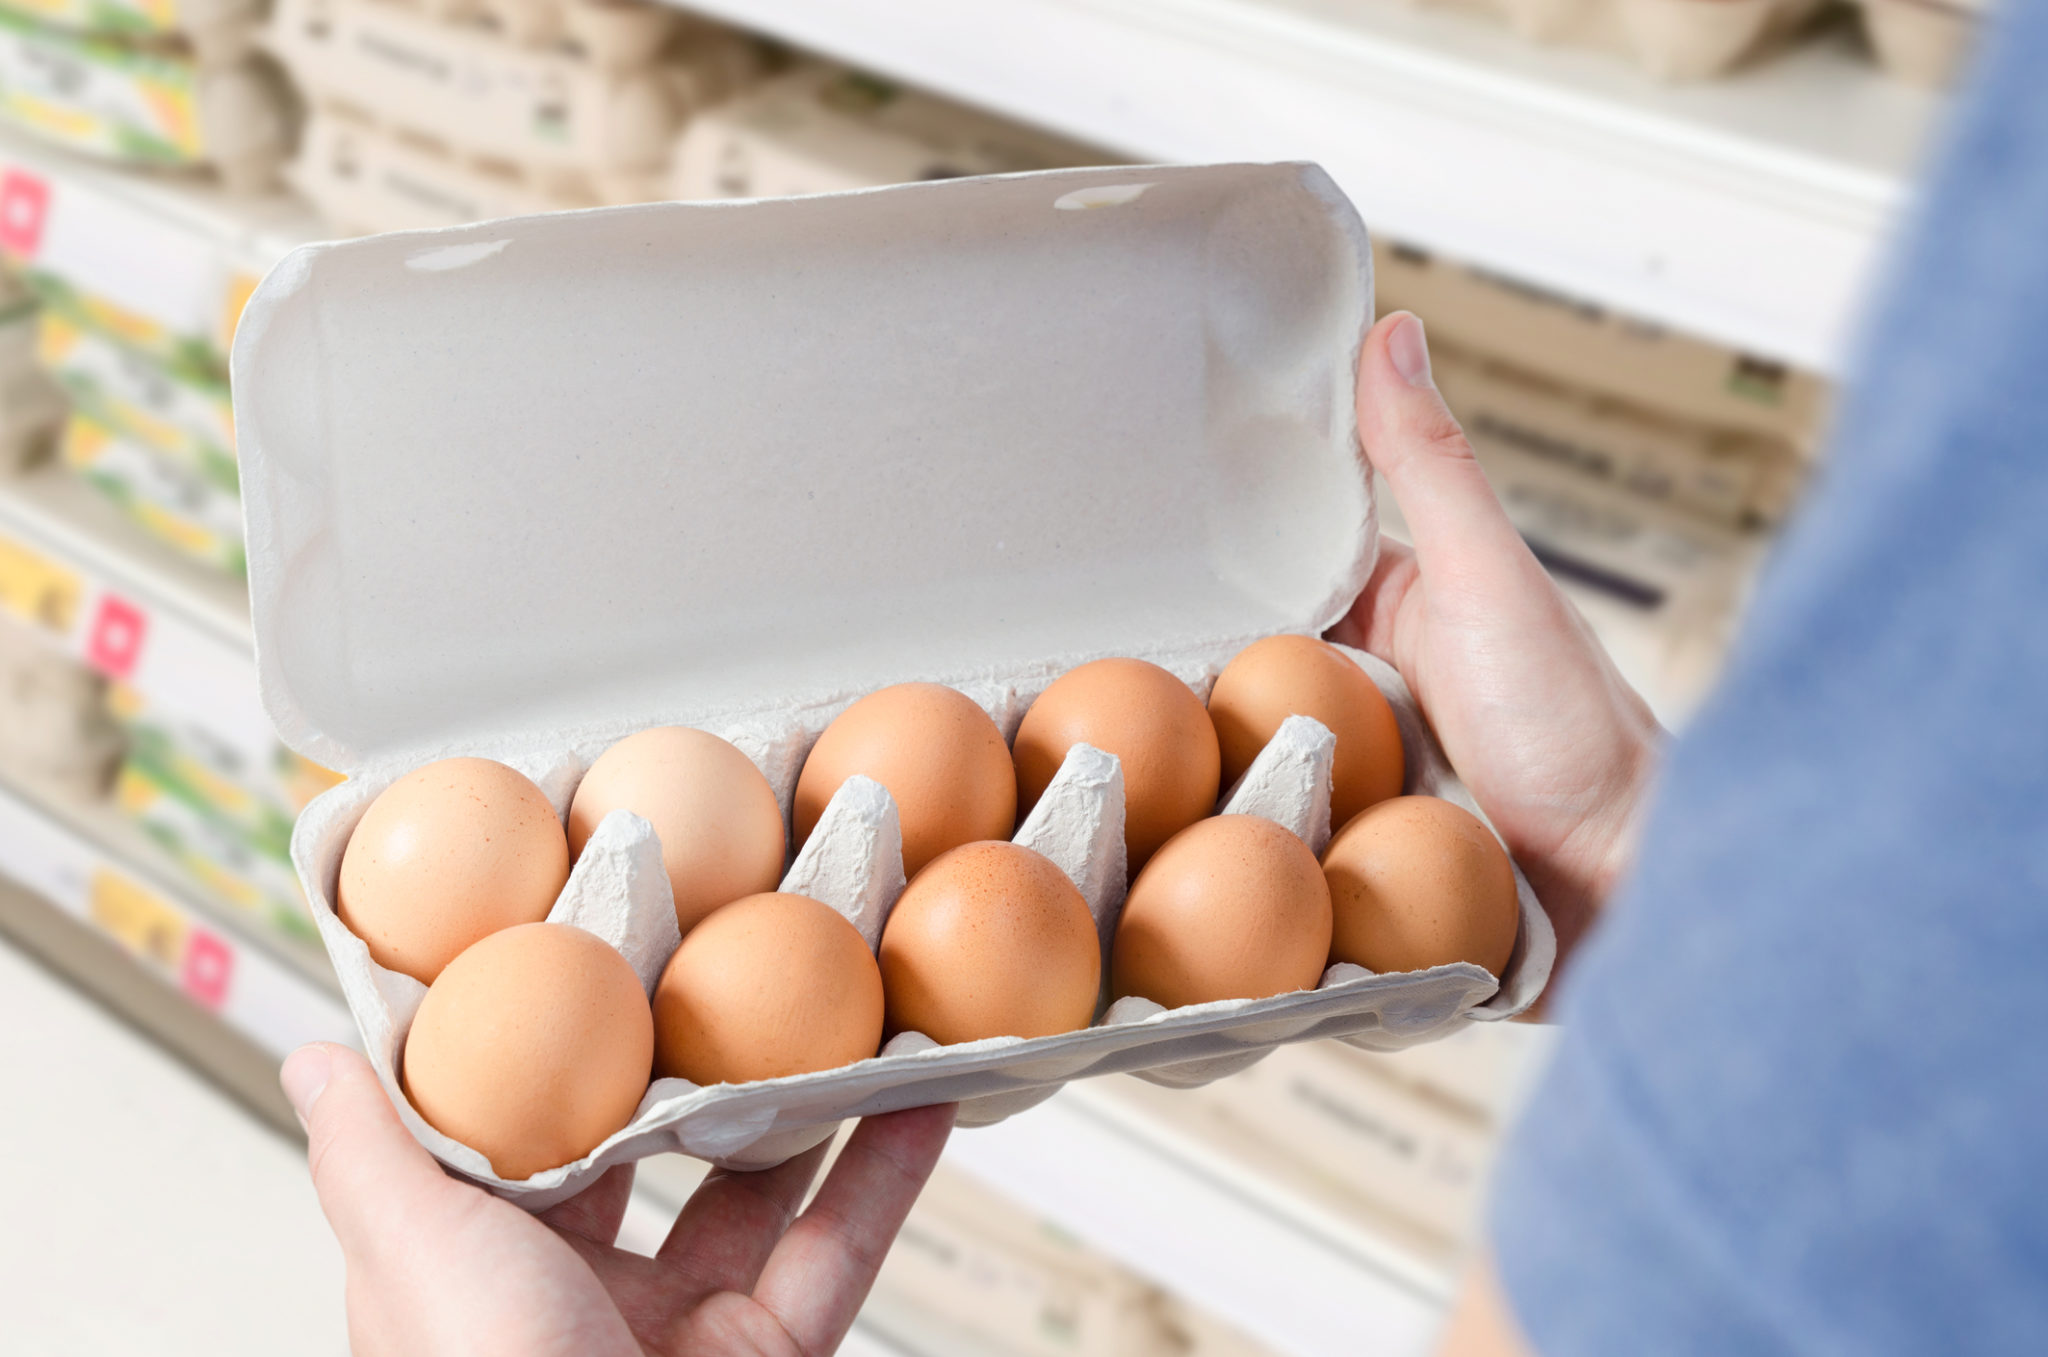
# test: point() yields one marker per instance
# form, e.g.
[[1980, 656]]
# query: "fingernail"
[[304, 1077], [1409, 350]]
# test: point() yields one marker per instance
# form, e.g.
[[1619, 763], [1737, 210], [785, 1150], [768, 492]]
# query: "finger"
[[374, 1180], [1374, 619], [731, 1223], [821, 1271], [595, 1212], [1411, 438]]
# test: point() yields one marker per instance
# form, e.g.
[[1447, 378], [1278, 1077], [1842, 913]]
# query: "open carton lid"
[[544, 477]]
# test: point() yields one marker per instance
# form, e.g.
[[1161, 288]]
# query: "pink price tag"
[[115, 642], [24, 206], [209, 965]]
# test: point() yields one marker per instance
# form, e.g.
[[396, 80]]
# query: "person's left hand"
[[440, 1266]]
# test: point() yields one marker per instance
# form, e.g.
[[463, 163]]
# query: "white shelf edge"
[[1751, 212], [1222, 1241], [189, 946]]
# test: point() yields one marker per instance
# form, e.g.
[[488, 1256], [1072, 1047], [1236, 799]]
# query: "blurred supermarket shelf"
[[176, 253], [85, 861], [1750, 211], [129, 607], [1297, 1279]]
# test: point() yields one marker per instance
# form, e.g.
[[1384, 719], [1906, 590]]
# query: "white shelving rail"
[[1751, 211]]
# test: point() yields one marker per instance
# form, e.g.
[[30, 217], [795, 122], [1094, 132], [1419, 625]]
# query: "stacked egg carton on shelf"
[[55, 729], [1398, 1144], [1923, 42], [819, 129], [975, 1274], [223, 816], [167, 84], [437, 114], [1676, 40], [31, 410], [150, 427], [1647, 469]]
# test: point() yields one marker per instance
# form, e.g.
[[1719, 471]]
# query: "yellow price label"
[[37, 589], [138, 919]]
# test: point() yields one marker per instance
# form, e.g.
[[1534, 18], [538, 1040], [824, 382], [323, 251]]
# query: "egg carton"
[[1923, 42], [31, 407], [364, 177], [182, 510], [853, 861], [180, 412], [820, 129], [580, 102], [1673, 40], [215, 31], [832, 487], [54, 725], [143, 106], [1715, 474]]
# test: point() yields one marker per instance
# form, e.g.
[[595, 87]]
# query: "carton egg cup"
[[520, 489]]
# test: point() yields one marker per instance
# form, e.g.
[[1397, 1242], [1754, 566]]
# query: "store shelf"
[[89, 864], [1300, 1280], [1749, 211], [105, 593], [171, 250]]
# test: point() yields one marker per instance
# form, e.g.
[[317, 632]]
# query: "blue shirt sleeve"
[[1801, 1098]]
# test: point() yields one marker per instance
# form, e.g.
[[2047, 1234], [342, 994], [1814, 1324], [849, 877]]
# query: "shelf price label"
[[209, 965], [38, 590], [24, 208], [114, 643]]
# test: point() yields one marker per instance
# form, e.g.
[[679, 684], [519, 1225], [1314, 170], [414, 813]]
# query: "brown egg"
[[1418, 882], [715, 814], [1151, 721], [1233, 907], [1285, 676], [938, 753], [990, 940], [445, 855], [767, 986], [531, 1047]]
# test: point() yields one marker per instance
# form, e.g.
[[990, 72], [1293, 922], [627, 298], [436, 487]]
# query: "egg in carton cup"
[[519, 490]]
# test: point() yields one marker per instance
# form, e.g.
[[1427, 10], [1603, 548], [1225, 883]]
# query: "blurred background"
[[1638, 230]]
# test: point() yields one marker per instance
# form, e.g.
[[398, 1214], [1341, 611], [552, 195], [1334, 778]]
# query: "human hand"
[[439, 1266], [1553, 743]]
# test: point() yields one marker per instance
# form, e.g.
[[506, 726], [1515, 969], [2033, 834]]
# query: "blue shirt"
[[1801, 1099]]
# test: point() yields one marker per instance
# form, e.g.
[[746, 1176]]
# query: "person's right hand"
[[1556, 747]]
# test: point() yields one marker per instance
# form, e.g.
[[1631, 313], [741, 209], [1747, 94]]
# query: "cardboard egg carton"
[[576, 101], [31, 407], [215, 31], [180, 412], [54, 725], [145, 106], [1596, 350], [364, 177], [1673, 40], [1923, 42], [1720, 476], [1004, 426], [820, 129], [175, 506]]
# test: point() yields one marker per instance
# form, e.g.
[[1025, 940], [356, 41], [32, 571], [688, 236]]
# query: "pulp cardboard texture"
[[1674, 40], [595, 117], [364, 177], [523, 488]]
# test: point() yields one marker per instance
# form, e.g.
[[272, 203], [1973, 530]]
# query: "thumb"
[[374, 1180], [1413, 440]]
